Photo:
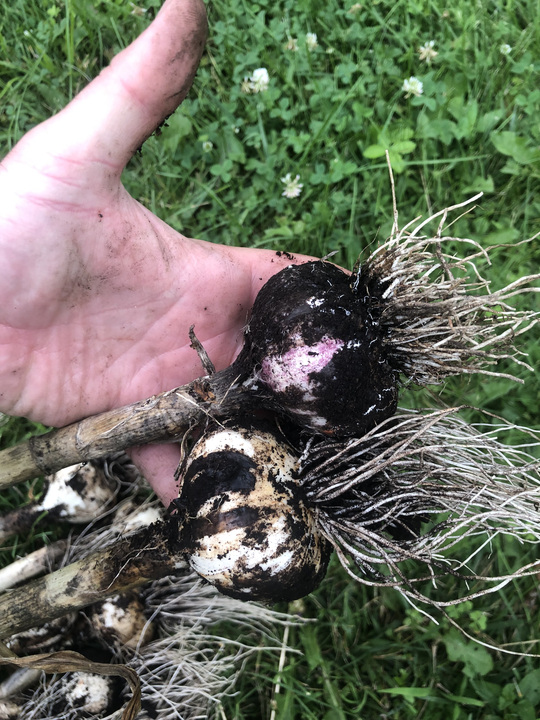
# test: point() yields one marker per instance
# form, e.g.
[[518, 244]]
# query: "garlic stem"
[[128, 563], [160, 418], [31, 565], [20, 680]]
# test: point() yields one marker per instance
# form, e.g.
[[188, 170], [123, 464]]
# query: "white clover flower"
[[137, 10], [292, 44], [260, 80], [207, 146], [293, 186], [413, 86], [505, 49], [427, 51], [257, 82], [311, 41], [355, 8]]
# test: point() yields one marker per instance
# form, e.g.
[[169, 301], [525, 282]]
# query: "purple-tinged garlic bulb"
[[247, 528], [316, 344]]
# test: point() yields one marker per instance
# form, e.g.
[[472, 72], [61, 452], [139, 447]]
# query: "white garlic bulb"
[[246, 526], [120, 621], [89, 694], [78, 493]]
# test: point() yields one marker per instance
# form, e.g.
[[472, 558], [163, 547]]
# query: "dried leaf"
[[69, 661]]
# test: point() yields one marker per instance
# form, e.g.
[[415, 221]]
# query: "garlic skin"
[[247, 528]]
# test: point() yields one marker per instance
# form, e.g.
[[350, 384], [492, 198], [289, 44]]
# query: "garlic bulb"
[[43, 638], [247, 528], [78, 493], [86, 693], [120, 620], [316, 344]]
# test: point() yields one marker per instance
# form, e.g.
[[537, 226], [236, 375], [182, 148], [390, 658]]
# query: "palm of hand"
[[102, 296], [98, 294]]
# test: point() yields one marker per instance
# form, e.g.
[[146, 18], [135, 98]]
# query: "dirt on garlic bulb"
[[243, 519]]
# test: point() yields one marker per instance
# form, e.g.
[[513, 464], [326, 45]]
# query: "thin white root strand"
[[405, 504]]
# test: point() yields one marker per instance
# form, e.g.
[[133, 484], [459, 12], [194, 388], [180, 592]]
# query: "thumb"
[[158, 464], [112, 117]]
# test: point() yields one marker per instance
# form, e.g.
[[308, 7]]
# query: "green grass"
[[328, 114]]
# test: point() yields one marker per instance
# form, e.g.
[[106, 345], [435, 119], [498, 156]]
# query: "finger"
[[158, 464], [111, 118]]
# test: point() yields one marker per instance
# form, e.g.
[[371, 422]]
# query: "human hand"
[[97, 293]]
